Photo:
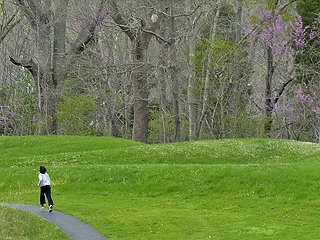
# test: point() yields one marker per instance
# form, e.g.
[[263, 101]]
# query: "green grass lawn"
[[224, 189], [19, 225]]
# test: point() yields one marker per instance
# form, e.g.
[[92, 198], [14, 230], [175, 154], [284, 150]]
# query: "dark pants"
[[46, 190]]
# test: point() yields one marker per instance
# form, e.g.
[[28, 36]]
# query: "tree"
[[140, 33], [194, 24], [208, 69], [8, 21], [169, 70], [48, 64], [277, 35], [46, 70]]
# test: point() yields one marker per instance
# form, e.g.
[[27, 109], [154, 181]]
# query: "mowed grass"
[[19, 225], [222, 189]]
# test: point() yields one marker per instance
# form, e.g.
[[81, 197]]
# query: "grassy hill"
[[19, 225], [222, 189]]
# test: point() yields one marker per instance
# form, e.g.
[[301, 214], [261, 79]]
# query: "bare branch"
[[282, 90], [8, 26], [28, 64], [174, 16], [87, 33], [8, 29], [288, 4], [31, 11], [117, 18], [188, 14], [157, 36]]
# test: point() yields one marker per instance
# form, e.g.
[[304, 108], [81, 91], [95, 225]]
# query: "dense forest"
[[161, 71]]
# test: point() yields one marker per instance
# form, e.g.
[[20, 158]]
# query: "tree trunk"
[[208, 70], [163, 83], [192, 102], [163, 103], [176, 105], [140, 92], [140, 39], [238, 23], [194, 27], [47, 105], [48, 21], [41, 20], [174, 77], [58, 61], [59, 45], [268, 94]]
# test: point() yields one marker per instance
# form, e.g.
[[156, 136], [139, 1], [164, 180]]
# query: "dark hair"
[[43, 169]]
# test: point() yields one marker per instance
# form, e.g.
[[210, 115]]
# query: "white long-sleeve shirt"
[[44, 179]]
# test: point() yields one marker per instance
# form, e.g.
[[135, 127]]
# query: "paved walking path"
[[71, 225]]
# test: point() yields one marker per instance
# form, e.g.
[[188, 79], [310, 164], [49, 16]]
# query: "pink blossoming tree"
[[282, 39]]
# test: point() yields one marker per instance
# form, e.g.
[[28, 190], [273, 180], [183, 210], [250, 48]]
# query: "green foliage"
[[272, 4], [219, 51], [21, 98], [309, 10], [160, 130], [246, 126], [26, 110], [250, 4], [309, 69], [308, 62], [75, 113], [189, 190], [267, 4]]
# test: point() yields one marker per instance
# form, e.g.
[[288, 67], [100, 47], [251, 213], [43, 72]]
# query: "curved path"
[[76, 229]]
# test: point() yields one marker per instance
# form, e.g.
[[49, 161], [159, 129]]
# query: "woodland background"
[[161, 71]]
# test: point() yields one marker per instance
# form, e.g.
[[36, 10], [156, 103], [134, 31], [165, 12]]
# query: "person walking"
[[45, 184]]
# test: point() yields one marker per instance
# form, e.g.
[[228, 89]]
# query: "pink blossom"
[[299, 32], [278, 34], [310, 98]]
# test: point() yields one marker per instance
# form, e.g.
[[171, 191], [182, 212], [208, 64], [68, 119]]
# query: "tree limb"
[[175, 16], [286, 5], [282, 90], [28, 64], [23, 63], [9, 25], [188, 14], [87, 33], [31, 11], [157, 36], [117, 18]]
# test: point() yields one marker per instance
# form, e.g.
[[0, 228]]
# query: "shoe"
[[50, 208], [42, 208]]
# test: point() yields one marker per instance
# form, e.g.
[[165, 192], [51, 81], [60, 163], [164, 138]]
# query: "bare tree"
[[169, 55], [194, 25], [40, 18], [140, 35], [8, 21], [208, 69], [48, 64]]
